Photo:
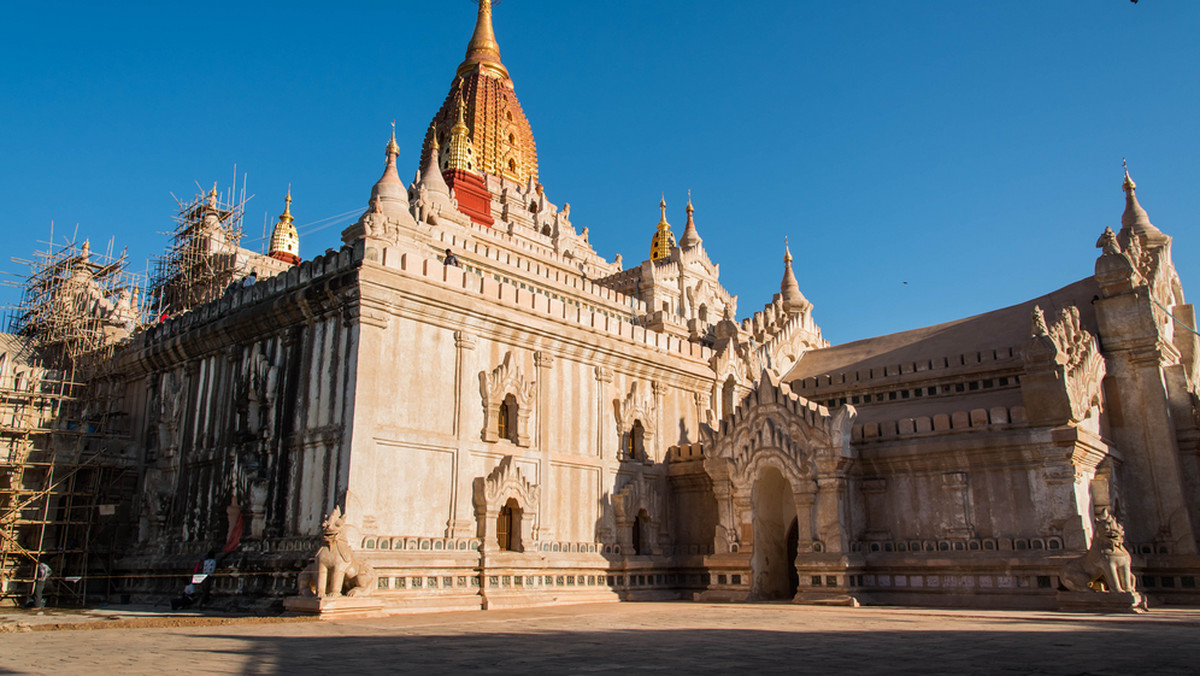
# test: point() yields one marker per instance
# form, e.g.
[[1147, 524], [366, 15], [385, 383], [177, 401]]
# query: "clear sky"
[[929, 159]]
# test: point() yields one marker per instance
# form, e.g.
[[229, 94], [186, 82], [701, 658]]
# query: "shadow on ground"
[[1096, 650]]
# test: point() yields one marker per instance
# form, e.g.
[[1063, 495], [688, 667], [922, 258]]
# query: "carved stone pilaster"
[[464, 340]]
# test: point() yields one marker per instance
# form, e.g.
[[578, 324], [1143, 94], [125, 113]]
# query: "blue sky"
[[970, 149]]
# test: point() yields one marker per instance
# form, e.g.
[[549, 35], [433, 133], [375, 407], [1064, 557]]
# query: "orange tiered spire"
[[500, 134]]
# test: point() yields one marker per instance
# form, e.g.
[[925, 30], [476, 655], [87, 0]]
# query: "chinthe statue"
[[1106, 565], [335, 569]]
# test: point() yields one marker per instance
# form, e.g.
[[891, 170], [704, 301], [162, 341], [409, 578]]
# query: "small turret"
[[430, 178], [1135, 221], [690, 238], [789, 289], [389, 191], [663, 240], [388, 203], [285, 241]]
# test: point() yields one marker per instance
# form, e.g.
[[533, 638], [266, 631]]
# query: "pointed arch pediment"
[[774, 426], [507, 379], [637, 494], [506, 481], [639, 404]]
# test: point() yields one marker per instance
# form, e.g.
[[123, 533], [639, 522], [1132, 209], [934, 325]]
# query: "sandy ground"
[[606, 638]]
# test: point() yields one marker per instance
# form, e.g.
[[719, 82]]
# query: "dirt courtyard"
[[627, 637]]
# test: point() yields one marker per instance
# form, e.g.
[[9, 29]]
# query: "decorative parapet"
[[529, 302], [773, 319], [685, 452], [277, 290], [1001, 357], [976, 419], [533, 264]]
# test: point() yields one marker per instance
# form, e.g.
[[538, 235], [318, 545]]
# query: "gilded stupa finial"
[[433, 142], [787, 252], [483, 51], [393, 148], [663, 240], [459, 150], [1127, 185], [286, 216]]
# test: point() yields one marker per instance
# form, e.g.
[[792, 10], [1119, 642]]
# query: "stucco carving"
[[505, 482], [170, 410], [1071, 355], [258, 383], [640, 493], [775, 428], [335, 569], [639, 404], [506, 379], [1106, 565]]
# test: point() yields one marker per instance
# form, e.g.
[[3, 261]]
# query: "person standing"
[[450, 259], [40, 575]]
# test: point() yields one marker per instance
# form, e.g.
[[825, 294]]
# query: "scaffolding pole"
[[61, 422]]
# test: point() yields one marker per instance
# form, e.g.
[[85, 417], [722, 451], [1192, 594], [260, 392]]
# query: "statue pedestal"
[[335, 607], [809, 598], [1101, 602]]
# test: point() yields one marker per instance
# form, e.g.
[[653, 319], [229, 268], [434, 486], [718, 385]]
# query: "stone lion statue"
[[335, 568], [1106, 564]]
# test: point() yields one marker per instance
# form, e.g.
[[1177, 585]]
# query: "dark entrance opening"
[[793, 549], [773, 563]]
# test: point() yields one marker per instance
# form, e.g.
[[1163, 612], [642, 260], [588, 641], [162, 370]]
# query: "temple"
[[539, 424]]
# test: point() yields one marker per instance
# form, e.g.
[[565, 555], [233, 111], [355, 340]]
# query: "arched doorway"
[[775, 537]]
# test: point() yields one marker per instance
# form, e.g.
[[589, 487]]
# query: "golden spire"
[[459, 151], [433, 142], [663, 240], [1127, 185], [286, 216], [483, 51], [393, 149], [787, 252]]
